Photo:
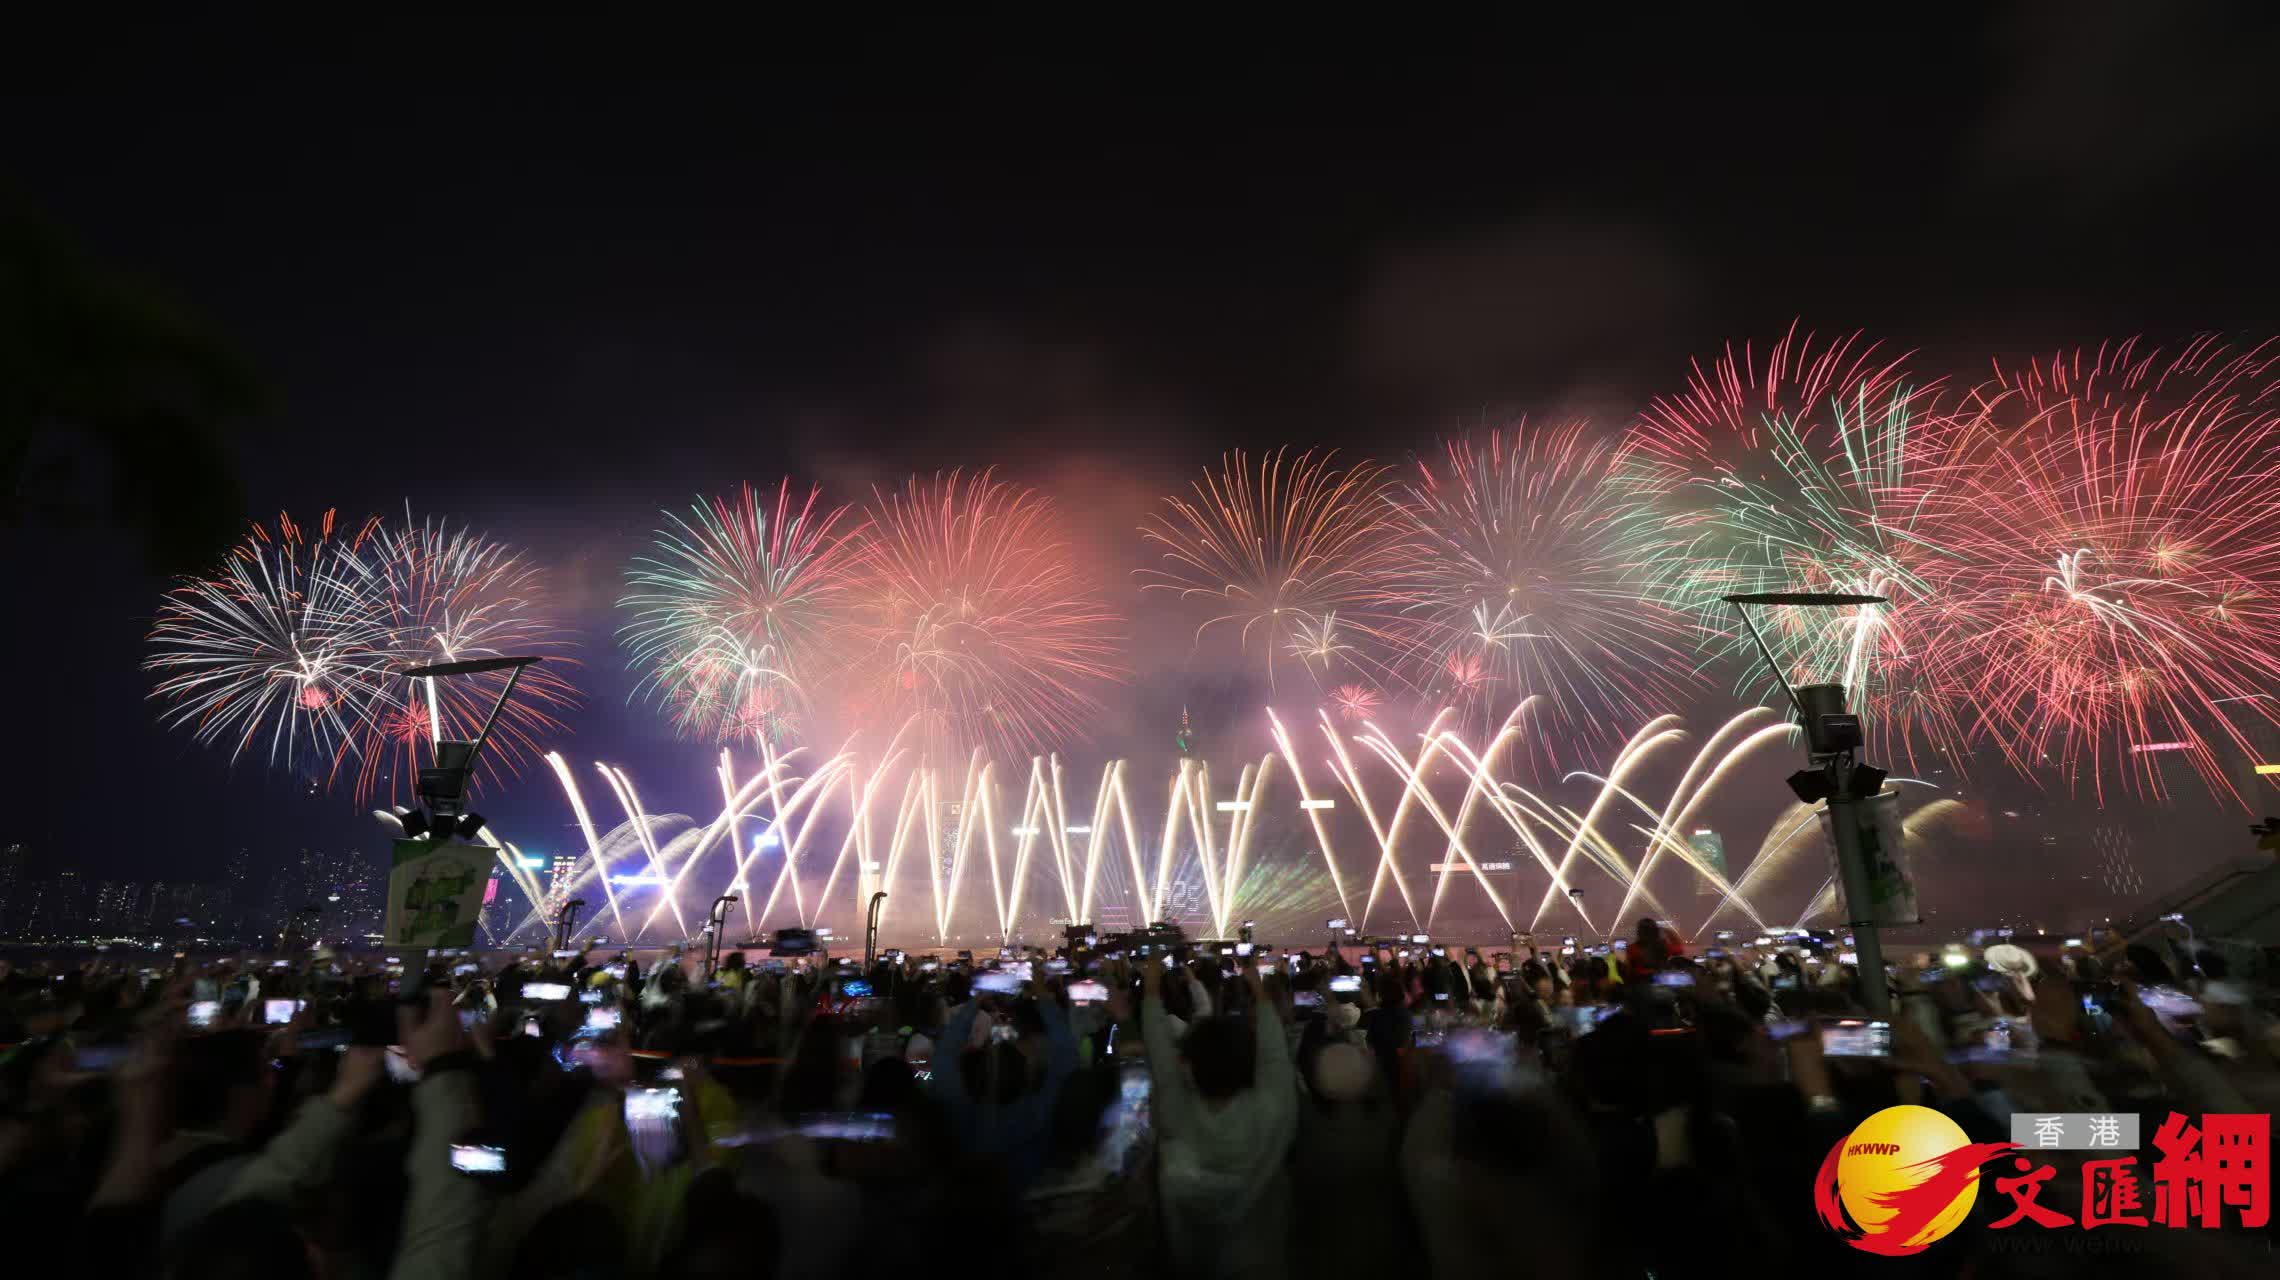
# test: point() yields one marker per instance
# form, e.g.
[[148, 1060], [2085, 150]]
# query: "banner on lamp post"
[[1891, 890], [436, 891]]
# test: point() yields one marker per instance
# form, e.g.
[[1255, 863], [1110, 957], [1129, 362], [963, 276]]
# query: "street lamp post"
[[714, 922], [1836, 778], [871, 929], [566, 923]]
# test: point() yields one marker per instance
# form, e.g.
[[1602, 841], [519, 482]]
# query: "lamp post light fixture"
[[1836, 778], [442, 787]]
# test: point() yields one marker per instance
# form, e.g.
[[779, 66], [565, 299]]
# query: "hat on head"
[[1341, 1072]]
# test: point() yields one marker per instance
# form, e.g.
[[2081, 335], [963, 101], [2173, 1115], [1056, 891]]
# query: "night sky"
[[547, 277]]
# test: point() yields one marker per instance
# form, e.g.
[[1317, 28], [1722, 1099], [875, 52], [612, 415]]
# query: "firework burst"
[[973, 617], [1355, 703], [1817, 468], [1288, 554], [281, 643], [734, 611], [445, 594], [1527, 580], [2120, 594]]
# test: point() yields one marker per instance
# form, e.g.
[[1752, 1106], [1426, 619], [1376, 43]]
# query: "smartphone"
[[2169, 1002], [1127, 1120], [589, 996], [929, 966], [276, 1013], [280, 964], [1369, 958], [1171, 962], [478, 1158], [1243, 948], [565, 955], [1087, 992], [203, 1012], [1471, 1046], [653, 1120], [1855, 1038], [1335, 925], [1440, 951], [1345, 984], [545, 991], [98, 1058], [1848, 957], [531, 1028], [1306, 999], [1674, 978], [854, 988], [1787, 1029], [1785, 982], [1056, 966], [603, 1019], [851, 1126], [462, 970], [1440, 996], [1266, 965], [997, 982]]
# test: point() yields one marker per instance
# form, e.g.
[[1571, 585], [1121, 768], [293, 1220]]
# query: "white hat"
[[1342, 1072], [2011, 960]]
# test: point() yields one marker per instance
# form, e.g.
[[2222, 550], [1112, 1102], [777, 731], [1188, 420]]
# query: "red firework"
[[1528, 571], [972, 615], [1811, 466], [1297, 556], [445, 593], [2120, 593], [1355, 702]]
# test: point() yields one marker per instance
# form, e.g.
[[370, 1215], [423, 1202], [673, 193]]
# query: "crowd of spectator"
[[1634, 1108]]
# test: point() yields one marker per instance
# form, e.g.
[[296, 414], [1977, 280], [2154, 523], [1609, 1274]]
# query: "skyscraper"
[[116, 902], [12, 887], [560, 876], [65, 903], [237, 887]]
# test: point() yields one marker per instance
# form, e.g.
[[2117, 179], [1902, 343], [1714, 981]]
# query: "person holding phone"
[[1227, 1106], [987, 1095]]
